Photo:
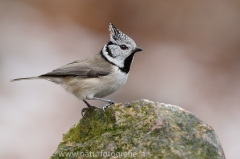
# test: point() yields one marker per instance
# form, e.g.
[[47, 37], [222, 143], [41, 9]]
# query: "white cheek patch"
[[118, 61], [115, 51]]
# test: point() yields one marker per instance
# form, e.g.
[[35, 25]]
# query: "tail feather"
[[19, 79]]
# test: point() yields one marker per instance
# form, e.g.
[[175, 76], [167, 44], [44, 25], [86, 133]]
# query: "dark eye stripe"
[[111, 43], [108, 50]]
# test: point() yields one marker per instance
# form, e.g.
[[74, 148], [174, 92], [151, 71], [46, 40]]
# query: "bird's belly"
[[87, 88]]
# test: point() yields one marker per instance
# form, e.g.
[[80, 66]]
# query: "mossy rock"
[[141, 129]]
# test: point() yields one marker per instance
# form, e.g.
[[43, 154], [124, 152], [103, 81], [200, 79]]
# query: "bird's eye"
[[123, 47]]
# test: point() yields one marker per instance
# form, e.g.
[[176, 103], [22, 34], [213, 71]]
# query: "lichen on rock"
[[141, 129]]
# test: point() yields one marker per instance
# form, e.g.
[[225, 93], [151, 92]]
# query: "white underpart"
[[119, 76], [117, 61]]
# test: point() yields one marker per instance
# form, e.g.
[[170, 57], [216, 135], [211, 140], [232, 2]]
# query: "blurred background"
[[191, 58]]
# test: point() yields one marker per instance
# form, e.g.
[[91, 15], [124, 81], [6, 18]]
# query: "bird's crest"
[[118, 36]]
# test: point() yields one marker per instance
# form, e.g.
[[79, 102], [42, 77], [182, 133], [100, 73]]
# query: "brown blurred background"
[[191, 58]]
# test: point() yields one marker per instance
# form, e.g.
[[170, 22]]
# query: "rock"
[[141, 129]]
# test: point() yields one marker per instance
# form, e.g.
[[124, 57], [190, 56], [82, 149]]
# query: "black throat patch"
[[127, 62]]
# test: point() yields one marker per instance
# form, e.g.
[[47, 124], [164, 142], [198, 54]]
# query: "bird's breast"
[[110, 83], [115, 79]]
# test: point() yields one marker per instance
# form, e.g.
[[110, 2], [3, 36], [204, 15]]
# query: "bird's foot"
[[83, 110], [89, 106], [106, 105]]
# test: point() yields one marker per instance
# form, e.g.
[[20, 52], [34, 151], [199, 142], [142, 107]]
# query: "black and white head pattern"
[[120, 49]]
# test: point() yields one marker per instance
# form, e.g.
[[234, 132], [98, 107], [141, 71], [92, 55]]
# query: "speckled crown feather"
[[118, 36]]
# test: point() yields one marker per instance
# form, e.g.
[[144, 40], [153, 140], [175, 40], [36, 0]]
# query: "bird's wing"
[[80, 69]]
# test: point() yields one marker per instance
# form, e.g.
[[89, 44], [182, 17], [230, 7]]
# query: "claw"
[[106, 105], [83, 110]]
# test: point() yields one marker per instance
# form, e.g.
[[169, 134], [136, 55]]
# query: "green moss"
[[94, 123], [144, 128]]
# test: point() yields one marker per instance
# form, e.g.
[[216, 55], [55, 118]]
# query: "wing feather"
[[88, 68], [79, 72]]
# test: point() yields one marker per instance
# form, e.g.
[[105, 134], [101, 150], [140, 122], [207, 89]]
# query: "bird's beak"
[[137, 49]]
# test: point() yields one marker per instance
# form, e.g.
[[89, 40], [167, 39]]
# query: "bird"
[[99, 75]]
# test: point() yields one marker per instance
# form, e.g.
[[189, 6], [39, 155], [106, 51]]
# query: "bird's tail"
[[28, 78]]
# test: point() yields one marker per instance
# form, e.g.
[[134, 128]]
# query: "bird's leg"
[[89, 105], [105, 100]]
